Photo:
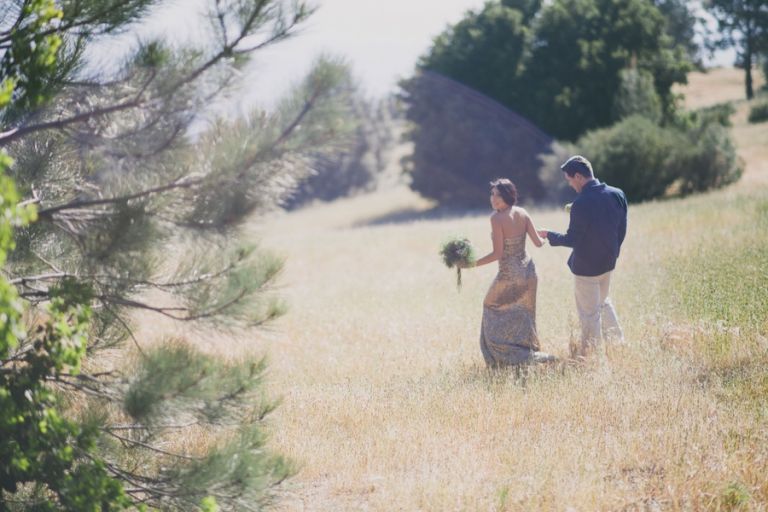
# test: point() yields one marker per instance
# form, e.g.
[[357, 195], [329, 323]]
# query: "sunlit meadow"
[[386, 403]]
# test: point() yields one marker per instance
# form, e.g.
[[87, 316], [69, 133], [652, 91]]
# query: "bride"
[[508, 333]]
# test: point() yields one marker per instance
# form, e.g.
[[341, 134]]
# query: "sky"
[[381, 39]]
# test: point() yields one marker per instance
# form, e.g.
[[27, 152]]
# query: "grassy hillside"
[[386, 403]]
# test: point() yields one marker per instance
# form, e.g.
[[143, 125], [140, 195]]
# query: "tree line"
[[570, 69]]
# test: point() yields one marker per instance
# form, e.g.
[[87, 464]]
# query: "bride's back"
[[514, 223]]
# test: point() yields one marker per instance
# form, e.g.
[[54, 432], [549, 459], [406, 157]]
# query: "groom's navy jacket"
[[597, 229]]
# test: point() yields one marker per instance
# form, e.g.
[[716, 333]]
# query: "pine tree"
[[140, 210]]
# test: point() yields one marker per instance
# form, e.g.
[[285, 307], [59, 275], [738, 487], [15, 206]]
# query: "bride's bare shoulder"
[[519, 210]]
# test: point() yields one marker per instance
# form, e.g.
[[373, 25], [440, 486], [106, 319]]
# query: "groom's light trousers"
[[596, 314]]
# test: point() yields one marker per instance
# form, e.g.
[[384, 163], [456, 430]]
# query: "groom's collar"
[[594, 182]]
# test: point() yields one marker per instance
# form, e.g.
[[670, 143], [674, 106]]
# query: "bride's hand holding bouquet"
[[458, 252]]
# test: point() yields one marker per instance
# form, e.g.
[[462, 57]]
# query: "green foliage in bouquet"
[[458, 252]]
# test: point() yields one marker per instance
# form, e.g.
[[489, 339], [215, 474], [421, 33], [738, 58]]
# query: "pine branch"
[[91, 377], [222, 23], [228, 49], [93, 139], [21, 131], [41, 277], [34, 295], [141, 482], [167, 311], [180, 182], [48, 213], [127, 328], [158, 427], [163, 146], [67, 26], [86, 390], [104, 278], [44, 260], [151, 448]]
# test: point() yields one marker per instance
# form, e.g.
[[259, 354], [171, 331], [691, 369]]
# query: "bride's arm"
[[498, 242], [532, 233]]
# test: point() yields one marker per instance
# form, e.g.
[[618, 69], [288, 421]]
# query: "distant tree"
[[463, 132], [355, 165], [637, 95], [133, 214], [577, 56], [528, 8], [682, 24], [566, 66], [743, 25], [463, 140], [485, 50]]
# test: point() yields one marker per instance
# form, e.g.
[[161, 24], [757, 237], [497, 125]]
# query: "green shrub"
[[735, 496], [646, 160], [759, 113], [765, 73], [635, 155], [706, 160], [720, 114]]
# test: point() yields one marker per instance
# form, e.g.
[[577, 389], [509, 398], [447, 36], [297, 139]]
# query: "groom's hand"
[[543, 233]]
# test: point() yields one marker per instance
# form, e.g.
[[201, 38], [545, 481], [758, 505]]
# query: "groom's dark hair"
[[577, 164], [507, 190]]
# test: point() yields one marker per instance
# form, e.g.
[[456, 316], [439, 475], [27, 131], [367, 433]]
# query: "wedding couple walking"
[[596, 231]]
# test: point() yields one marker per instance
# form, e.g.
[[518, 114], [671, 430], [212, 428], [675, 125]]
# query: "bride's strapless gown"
[[508, 335]]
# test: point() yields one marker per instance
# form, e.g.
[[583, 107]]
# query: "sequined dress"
[[508, 335]]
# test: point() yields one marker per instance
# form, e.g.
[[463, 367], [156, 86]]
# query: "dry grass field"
[[386, 403], [717, 86]]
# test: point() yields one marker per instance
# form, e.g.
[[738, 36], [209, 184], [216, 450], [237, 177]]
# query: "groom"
[[597, 228]]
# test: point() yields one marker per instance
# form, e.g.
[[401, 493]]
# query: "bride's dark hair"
[[507, 190]]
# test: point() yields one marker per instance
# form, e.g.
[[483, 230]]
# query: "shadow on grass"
[[408, 215]]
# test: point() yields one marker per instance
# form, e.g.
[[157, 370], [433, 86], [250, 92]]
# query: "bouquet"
[[458, 252]]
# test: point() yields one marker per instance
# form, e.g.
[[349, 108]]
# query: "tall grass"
[[387, 405], [720, 287]]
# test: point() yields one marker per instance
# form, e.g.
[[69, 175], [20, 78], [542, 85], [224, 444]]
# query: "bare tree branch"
[[181, 182], [151, 448], [20, 131]]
